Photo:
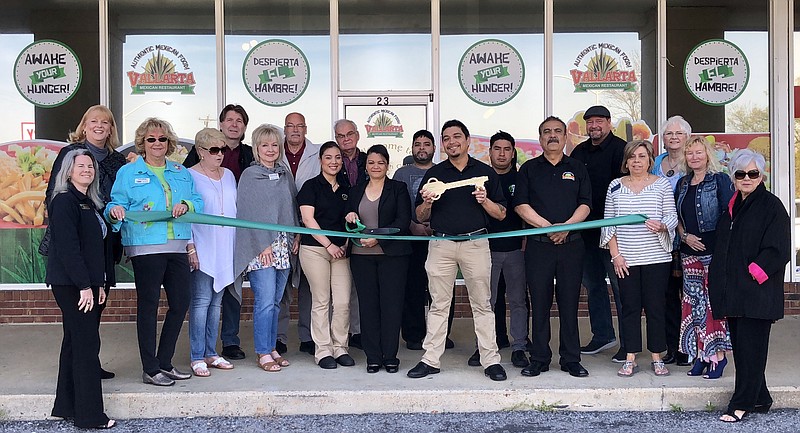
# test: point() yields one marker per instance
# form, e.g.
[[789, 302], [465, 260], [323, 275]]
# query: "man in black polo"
[[602, 155], [554, 189], [465, 210]]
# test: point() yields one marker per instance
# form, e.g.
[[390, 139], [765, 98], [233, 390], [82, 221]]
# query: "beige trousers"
[[330, 282], [475, 261]]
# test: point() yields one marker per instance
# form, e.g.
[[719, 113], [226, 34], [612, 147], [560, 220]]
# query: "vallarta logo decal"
[[384, 123], [159, 71], [603, 70], [47, 73]]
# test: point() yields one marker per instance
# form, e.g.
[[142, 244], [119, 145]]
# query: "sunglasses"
[[752, 174], [216, 150], [153, 139]]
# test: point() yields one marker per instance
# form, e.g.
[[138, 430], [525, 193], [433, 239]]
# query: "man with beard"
[[302, 158], [554, 189], [602, 155], [233, 122], [463, 211], [413, 326]]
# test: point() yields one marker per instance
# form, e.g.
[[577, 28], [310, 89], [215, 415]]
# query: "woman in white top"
[[641, 253], [210, 251]]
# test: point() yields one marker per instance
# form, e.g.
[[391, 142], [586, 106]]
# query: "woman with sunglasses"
[[158, 250], [266, 195], [701, 198], [745, 281], [210, 251]]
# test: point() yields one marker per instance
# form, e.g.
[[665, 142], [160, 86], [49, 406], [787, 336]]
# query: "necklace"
[[671, 170], [220, 192]]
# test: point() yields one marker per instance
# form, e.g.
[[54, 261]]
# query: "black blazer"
[[394, 210], [759, 233], [77, 255]]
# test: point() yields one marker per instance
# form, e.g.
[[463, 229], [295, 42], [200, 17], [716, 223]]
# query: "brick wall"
[[38, 306]]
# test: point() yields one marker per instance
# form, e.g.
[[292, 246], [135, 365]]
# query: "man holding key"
[[458, 211]]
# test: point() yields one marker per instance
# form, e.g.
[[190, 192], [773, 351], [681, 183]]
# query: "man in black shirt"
[[602, 155], [554, 189], [459, 211]]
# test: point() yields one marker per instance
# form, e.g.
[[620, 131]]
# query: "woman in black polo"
[[322, 202], [379, 266]]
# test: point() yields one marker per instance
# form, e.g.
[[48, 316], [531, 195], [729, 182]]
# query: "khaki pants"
[[330, 282], [474, 259]]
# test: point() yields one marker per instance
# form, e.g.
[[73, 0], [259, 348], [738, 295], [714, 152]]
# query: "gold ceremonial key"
[[438, 187]]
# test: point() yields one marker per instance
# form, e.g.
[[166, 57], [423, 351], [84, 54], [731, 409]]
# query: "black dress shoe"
[[421, 370], [307, 347], [682, 360], [495, 372], [355, 341], [105, 374], [413, 345], [328, 363], [373, 368], [502, 342], [392, 368], [233, 352], [475, 359], [535, 368], [280, 347], [519, 359], [345, 360], [669, 358], [449, 344], [575, 369]]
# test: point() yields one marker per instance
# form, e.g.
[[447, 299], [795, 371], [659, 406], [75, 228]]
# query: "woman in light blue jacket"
[[158, 250]]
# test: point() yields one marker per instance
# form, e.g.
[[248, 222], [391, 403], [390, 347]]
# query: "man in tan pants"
[[460, 211]]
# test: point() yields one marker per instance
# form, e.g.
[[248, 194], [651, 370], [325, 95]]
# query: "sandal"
[[220, 363], [200, 369], [732, 414], [279, 359], [628, 369], [110, 424], [269, 364], [659, 368]]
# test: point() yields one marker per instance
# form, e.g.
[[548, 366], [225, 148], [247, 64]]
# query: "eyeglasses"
[[669, 134], [350, 134], [216, 150], [752, 174], [160, 139], [293, 126]]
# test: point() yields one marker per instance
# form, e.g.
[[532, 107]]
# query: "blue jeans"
[[596, 265], [203, 316], [268, 285]]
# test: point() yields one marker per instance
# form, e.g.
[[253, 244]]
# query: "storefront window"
[[491, 75], [796, 125], [277, 61]]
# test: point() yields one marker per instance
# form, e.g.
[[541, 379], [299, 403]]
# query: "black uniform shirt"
[[511, 222], [457, 211], [553, 191], [604, 164], [329, 207]]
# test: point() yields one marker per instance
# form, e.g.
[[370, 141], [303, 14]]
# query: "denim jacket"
[[714, 193], [138, 189]]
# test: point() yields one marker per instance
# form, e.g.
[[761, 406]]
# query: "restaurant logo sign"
[[716, 72], [165, 70], [491, 72], [384, 123], [607, 68], [47, 73], [276, 72]]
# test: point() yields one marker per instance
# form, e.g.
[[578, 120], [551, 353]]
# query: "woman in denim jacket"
[[701, 197]]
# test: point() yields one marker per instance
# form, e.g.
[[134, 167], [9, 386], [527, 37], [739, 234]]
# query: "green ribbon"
[[498, 71], [54, 72], [200, 218]]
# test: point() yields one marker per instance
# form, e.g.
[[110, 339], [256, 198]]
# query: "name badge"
[[141, 180], [85, 206], [568, 175], [273, 176]]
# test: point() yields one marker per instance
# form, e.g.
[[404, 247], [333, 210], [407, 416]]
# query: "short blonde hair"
[[712, 165], [631, 147], [79, 135], [267, 131], [206, 137], [150, 124]]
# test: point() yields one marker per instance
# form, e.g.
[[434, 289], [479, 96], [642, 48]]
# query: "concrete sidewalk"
[[29, 363]]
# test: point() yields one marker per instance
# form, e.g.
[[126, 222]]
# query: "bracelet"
[[684, 236], [329, 245], [612, 259], [192, 251]]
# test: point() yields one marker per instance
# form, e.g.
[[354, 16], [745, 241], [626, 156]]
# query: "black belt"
[[475, 233], [546, 239]]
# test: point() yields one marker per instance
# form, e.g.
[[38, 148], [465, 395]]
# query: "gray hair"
[[341, 122], [742, 158], [63, 177], [678, 120]]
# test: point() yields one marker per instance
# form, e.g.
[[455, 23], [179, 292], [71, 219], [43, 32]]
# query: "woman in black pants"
[[379, 266], [75, 271], [745, 280]]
